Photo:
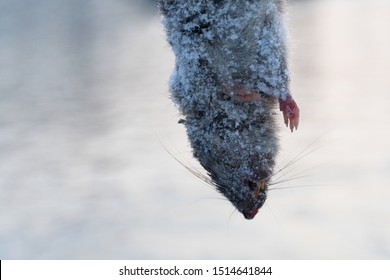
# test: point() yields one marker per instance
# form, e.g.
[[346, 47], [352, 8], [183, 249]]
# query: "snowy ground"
[[84, 109]]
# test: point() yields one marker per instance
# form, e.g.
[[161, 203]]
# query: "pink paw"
[[290, 112]]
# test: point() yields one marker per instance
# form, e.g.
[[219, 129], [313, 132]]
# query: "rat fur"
[[230, 71]]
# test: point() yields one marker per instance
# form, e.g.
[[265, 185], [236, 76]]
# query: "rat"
[[230, 76]]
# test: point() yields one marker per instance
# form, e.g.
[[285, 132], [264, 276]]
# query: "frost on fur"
[[230, 70], [242, 42]]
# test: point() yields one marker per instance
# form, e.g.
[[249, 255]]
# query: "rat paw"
[[290, 112]]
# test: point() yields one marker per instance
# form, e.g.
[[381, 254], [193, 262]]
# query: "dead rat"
[[230, 72]]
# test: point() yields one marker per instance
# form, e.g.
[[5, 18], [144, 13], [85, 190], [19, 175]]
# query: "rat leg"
[[290, 112], [288, 106], [241, 94]]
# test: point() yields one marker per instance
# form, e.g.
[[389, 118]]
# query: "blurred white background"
[[85, 113]]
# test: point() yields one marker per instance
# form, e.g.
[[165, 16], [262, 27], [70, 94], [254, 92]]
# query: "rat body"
[[231, 70]]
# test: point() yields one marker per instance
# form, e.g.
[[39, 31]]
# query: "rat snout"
[[251, 214], [255, 200]]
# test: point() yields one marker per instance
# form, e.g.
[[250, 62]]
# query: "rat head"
[[239, 155]]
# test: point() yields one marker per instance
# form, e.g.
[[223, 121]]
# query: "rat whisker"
[[282, 176], [298, 186], [231, 216], [273, 215], [306, 151], [286, 180], [190, 168], [301, 155], [280, 179]]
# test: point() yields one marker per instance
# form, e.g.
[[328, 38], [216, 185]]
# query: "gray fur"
[[218, 44]]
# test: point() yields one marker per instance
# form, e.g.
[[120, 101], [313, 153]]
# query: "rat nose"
[[251, 214]]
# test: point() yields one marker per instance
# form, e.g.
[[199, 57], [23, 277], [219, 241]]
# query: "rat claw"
[[290, 112], [296, 117], [297, 122], [294, 121], [285, 119]]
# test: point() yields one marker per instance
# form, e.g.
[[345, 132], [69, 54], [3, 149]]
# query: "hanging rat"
[[230, 74]]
